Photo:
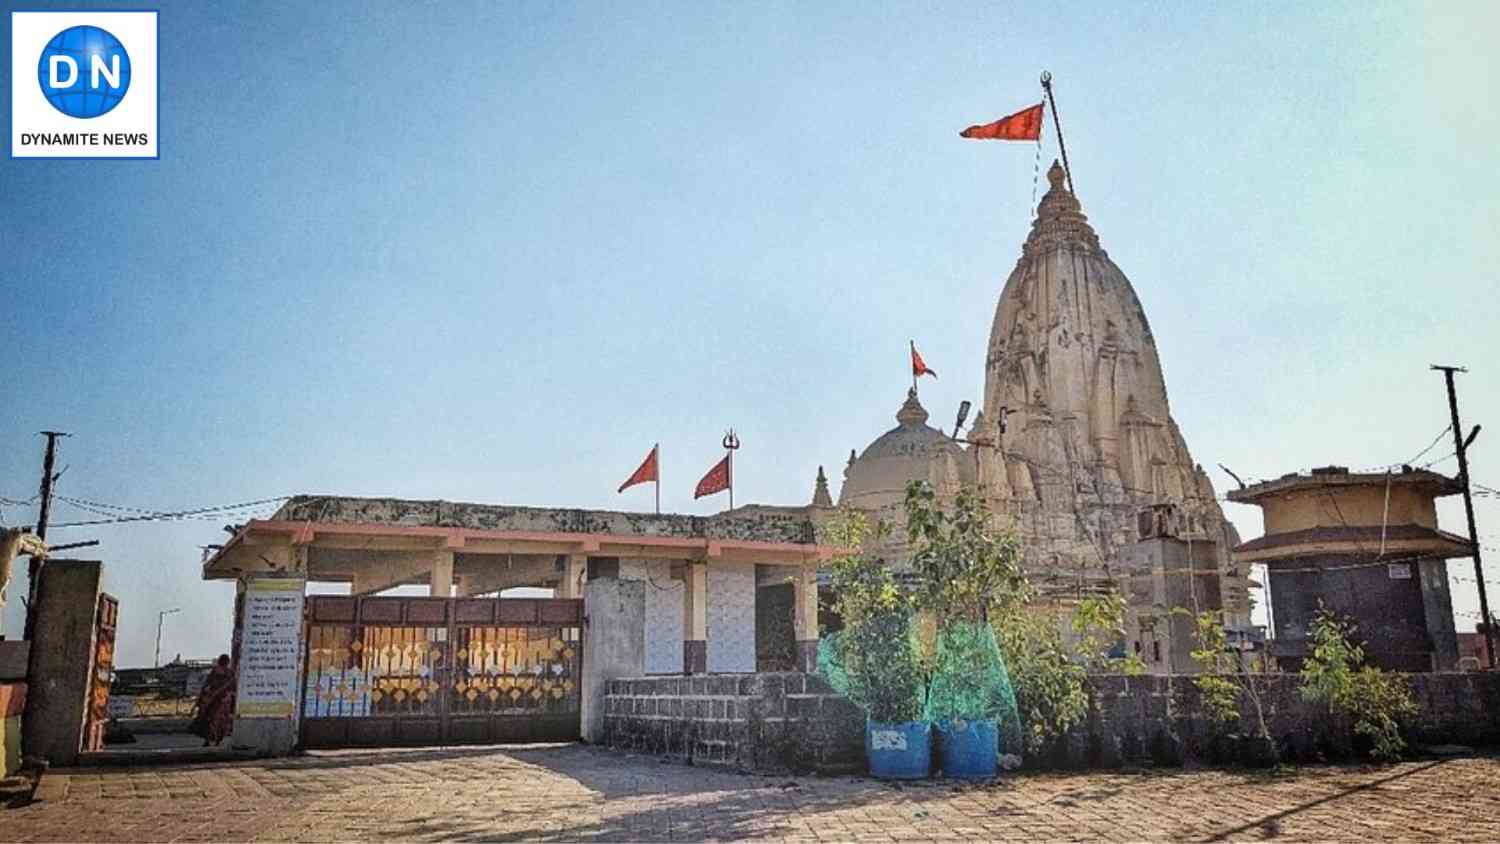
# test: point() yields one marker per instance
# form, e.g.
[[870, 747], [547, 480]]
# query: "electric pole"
[[34, 567], [1461, 447], [160, 617]]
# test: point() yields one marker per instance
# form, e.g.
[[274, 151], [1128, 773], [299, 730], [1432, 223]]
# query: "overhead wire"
[[97, 509], [152, 516], [1435, 440], [1431, 463]]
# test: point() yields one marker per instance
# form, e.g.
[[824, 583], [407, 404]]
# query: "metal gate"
[[391, 671]]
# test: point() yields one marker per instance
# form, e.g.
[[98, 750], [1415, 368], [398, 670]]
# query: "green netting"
[[970, 682], [831, 662]]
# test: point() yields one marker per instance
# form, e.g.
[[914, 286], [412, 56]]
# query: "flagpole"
[[656, 449], [1057, 124], [913, 345], [731, 442]]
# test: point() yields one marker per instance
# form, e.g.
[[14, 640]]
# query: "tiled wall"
[[664, 598], [731, 617]]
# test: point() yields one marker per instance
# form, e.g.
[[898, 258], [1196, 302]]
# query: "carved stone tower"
[[1089, 436]]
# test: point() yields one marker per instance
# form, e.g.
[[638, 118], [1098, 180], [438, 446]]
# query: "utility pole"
[[34, 567], [1461, 446], [160, 617]]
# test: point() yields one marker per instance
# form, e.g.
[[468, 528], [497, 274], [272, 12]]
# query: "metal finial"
[[1046, 77], [731, 441]]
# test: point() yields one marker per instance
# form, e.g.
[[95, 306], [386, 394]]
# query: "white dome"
[[911, 451]]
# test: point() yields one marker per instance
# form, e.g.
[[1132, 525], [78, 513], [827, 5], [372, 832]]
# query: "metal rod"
[[913, 362], [731, 442], [1057, 124], [71, 545], [1463, 477]]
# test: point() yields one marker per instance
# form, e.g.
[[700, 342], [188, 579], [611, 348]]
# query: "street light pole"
[[160, 617]]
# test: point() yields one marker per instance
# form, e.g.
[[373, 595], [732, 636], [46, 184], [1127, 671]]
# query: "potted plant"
[[964, 570], [877, 656]]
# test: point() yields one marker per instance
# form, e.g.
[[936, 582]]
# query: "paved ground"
[[572, 792]]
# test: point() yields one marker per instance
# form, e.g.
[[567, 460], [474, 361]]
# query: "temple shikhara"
[[1075, 440]]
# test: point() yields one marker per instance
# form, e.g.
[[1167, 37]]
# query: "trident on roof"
[[731, 444]]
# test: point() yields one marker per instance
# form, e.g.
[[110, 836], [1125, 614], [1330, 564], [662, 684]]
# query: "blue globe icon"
[[84, 71]]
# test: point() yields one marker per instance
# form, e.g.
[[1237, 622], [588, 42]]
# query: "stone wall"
[[1158, 718], [795, 722], [759, 722]]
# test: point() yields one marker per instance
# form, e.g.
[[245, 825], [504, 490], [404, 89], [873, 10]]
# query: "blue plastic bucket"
[[899, 751], [970, 749]]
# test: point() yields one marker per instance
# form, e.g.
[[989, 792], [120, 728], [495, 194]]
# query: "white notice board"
[[270, 645]]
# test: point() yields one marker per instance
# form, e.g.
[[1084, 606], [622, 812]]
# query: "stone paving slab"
[[572, 792]]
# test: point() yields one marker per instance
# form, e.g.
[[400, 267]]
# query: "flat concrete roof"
[[1340, 476], [344, 533]]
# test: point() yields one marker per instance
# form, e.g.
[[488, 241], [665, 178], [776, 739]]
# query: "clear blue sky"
[[493, 252]]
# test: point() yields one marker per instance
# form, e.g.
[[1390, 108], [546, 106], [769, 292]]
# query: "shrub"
[[1335, 675], [1048, 683], [875, 647]]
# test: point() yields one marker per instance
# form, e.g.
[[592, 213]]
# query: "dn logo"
[[84, 71]]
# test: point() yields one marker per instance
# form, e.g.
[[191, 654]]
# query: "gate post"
[[805, 617], [273, 643], [614, 645], [61, 672]]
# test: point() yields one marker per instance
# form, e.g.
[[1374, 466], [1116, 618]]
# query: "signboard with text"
[[270, 646]]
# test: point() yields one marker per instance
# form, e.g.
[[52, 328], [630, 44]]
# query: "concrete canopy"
[[378, 543]]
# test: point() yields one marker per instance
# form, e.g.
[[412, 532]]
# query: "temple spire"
[[912, 413], [821, 498]]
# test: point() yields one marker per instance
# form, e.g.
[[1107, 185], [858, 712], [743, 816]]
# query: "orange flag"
[[919, 366], [1024, 125], [647, 472], [717, 479]]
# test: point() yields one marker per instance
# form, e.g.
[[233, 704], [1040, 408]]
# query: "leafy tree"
[[964, 570], [875, 645], [963, 567], [1336, 675], [1226, 678], [1220, 695], [1099, 628]]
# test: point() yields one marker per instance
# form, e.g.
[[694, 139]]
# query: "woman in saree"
[[215, 706]]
